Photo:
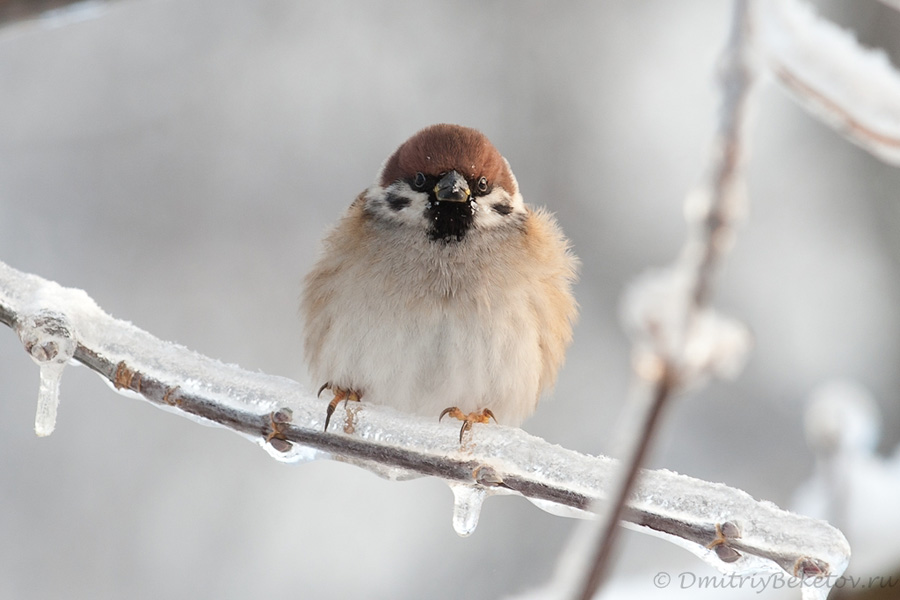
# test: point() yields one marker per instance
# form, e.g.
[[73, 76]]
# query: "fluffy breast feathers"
[[422, 326]]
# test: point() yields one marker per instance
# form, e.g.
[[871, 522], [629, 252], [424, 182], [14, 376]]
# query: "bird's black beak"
[[452, 187]]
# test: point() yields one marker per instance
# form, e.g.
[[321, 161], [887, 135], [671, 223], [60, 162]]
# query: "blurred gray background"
[[180, 161]]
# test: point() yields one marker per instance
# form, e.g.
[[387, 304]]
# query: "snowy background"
[[180, 161]]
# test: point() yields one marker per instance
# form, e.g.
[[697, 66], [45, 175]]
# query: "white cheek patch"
[[497, 208], [397, 203]]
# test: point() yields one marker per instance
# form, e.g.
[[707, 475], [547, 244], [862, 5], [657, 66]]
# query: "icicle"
[[48, 338], [48, 400], [467, 501]]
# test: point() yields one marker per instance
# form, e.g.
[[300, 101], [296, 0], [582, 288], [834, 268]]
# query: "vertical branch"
[[726, 180], [713, 210], [613, 514], [725, 187]]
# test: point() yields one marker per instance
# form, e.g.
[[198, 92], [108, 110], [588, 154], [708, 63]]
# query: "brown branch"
[[619, 511], [850, 88], [850, 126], [713, 238], [287, 420]]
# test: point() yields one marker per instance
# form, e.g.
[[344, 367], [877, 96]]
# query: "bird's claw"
[[339, 394], [479, 416]]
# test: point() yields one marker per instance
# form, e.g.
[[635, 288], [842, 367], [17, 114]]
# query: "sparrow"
[[439, 291]]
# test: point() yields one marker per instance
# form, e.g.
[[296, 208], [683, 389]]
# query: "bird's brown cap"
[[442, 148]]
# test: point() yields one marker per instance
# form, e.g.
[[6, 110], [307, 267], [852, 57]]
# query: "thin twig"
[[713, 237], [611, 531], [849, 125]]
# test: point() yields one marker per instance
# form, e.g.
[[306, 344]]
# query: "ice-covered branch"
[[854, 89], [678, 340], [723, 525]]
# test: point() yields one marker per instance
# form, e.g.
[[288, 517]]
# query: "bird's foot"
[[479, 416], [339, 394]]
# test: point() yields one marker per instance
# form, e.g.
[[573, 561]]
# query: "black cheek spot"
[[502, 208], [396, 202]]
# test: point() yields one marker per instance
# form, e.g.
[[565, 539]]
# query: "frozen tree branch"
[[853, 89], [679, 341], [57, 324]]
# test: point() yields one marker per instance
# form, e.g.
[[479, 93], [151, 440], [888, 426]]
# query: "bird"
[[439, 291]]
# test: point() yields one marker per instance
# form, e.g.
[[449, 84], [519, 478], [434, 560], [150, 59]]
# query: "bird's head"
[[446, 180]]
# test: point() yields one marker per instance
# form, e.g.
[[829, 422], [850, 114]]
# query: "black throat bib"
[[449, 220]]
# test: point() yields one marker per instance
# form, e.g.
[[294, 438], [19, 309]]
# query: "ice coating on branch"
[[467, 501], [277, 445], [794, 542], [121, 342], [49, 340], [561, 510], [290, 453], [852, 88], [296, 454], [495, 459], [655, 311], [47, 337]]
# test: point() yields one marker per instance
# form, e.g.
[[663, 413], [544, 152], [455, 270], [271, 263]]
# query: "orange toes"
[[482, 416], [339, 394]]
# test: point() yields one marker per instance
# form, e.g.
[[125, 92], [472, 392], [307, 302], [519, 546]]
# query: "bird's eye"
[[419, 181], [483, 185]]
